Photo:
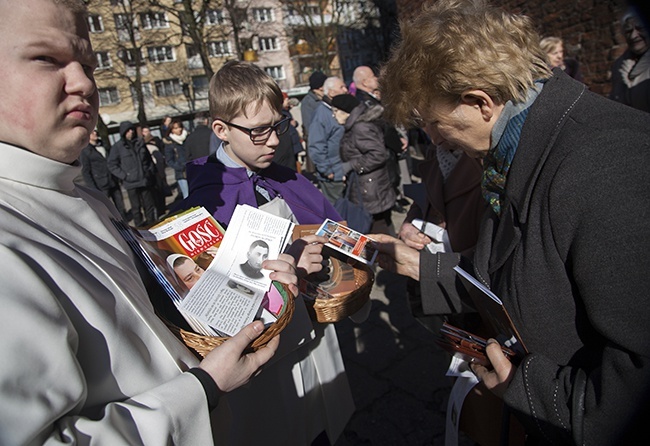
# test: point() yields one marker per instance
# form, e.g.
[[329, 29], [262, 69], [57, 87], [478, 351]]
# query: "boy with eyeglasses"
[[246, 105]]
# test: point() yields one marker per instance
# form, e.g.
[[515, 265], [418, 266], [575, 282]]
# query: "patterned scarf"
[[505, 139]]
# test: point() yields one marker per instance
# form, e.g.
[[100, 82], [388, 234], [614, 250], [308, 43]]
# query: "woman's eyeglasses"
[[259, 135]]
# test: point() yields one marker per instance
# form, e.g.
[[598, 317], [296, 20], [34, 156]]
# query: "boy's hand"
[[227, 364], [396, 256], [284, 271], [307, 251]]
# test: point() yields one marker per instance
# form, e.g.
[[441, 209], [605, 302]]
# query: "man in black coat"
[[94, 169], [197, 144], [130, 161]]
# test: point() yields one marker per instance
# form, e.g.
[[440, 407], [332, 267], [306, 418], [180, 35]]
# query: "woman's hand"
[[497, 378], [397, 256], [413, 237], [283, 271], [307, 252]]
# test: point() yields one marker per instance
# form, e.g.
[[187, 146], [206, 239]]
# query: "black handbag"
[[356, 216]]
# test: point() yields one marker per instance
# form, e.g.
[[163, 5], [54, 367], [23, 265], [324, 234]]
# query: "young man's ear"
[[220, 129], [481, 100]]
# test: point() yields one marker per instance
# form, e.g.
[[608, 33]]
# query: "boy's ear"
[[220, 129]]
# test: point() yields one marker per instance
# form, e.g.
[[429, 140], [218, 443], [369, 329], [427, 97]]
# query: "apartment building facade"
[[152, 54]]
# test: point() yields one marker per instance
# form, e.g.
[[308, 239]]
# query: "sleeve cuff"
[[212, 391]]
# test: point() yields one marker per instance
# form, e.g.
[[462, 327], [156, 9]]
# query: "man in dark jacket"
[[130, 161], [94, 169], [367, 86], [308, 106], [197, 143]]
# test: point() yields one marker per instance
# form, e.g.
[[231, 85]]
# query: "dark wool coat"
[[197, 144], [570, 260], [458, 203], [131, 161], [94, 169], [362, 147]]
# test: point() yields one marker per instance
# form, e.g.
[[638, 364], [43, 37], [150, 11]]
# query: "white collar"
[[21, 165]]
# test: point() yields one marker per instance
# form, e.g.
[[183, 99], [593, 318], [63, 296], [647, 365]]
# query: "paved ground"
[[396, 373]]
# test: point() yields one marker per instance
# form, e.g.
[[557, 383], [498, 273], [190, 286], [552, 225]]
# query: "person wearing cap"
[[310, 101], [364, 159]]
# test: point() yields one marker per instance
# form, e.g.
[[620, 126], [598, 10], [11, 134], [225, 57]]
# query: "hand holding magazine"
[[496, 319]]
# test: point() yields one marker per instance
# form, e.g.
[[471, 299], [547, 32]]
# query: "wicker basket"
[[334, 309], [205, 344]]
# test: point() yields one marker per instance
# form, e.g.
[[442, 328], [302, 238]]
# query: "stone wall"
[[590, 30]]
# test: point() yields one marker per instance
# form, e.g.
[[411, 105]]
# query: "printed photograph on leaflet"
[[229, 294], [337, 278], [348, 241]]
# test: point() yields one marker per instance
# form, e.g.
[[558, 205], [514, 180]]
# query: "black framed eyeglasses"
[[259, 135]]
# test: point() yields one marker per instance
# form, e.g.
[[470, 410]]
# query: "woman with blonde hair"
[[554, 49], [564, 240]]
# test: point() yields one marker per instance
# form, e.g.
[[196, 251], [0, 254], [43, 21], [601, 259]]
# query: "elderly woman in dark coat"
[[364, 156]]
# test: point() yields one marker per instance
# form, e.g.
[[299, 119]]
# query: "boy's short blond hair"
[[238, 84]]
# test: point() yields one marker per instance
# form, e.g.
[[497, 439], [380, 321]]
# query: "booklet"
[[231, 291], [348, 241], [189, 255], [496, 319]]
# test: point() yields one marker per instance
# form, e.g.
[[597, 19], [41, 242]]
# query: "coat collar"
[[547, 116]]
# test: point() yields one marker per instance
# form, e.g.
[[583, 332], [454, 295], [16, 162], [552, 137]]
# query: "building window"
[[201, 85], [108, 96], [95, 24], [154, 20], [276, 73], [168, 87], [127, 56], [117, 2], [147, 95], [158, 54], [219, 48], [125, 25], [122, 21], [103, 60], [215, 17], [193, 57], [268, 43], [263, 14]]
